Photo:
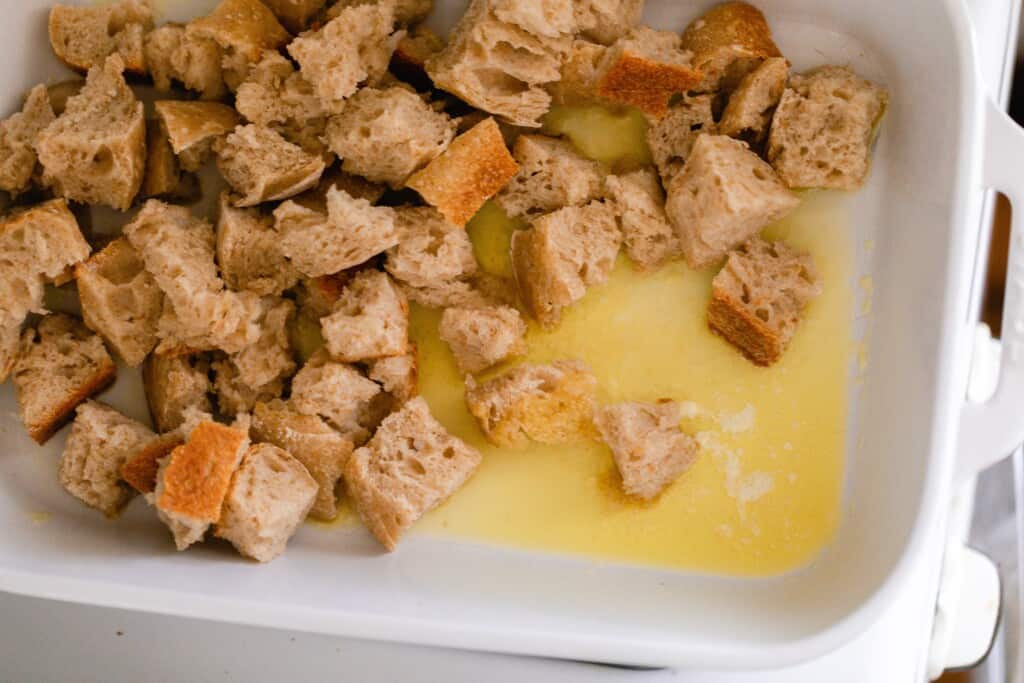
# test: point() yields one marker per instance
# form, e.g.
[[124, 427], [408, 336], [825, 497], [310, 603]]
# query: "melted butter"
[[764, 495], [615, 138]]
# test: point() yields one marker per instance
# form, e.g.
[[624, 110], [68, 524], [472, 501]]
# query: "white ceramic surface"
[[920, 210]]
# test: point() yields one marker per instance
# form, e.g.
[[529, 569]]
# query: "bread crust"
[[140, 470], [196, 478]]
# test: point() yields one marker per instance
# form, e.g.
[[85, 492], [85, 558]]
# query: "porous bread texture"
[[175, 55], [82, 37], [370, 320], [549, 404], [759, 297], [482, 337], [822, 130], [193, 128], [95, 152], [728, 41], [295, 15], [649, 448], [271, 493], [748, 114], [60, 364], [429, 249], [551, 175], [261, 166], [639, 202], [18, 135], [398, 375], [175, 385], [411, 465], [561, 255], [406, 11], [340, 394], [671, 138], [386, 135], [724, 195], [351, 232], [243, 29], [120, 300], [249, 251], [605, 21]]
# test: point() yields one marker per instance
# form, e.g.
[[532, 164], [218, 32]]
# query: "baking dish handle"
[[992, 430]]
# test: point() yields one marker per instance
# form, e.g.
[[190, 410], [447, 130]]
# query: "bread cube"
[[410, 466], [356, 186], [551, 175], [270, 496], [649, 449], [644, 69], [60, 364], [61, 91], [429, 249], [18, 135], [728, 41], [579, 74], [351, 49], [340, 394], [370, 320], [724, 195], [175, 384], [101, 441], [236, 398], [648, 237], [605, 21], [406, 11], [476, 292], [194, 480], [321, 449], [549, 404], [497, 66], [823, 128], [482, 337], [759, 296], [83, 36], [671, 138], [542, 18], [295, 15], [95, 152], [562, 254], [143, 462], [274, 92], [243, 29], [399, 375], [249, 251], [352, 232], [163, 177], [175, 55], [120, 300], [748, 114], [472, 170], [386, 135], [194, 127], [260, 165]]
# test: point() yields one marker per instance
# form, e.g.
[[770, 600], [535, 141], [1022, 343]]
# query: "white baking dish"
[[942, 144]]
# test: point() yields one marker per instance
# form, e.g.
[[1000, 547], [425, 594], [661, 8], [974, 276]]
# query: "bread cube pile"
[[354, 145]]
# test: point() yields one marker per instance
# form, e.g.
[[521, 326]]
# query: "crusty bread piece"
[[579, 72], [271, 493], [173, 54], [822, 131], [163, 173], [406, 11], [724, 195], [671, 138], [399, 375], [95, 152], [352, 48], [605, 21], [545, 403], [748, 114], [276, 93], [259, 164], [644, 69], [472, 170], [429, 249], [551, 175], [60, 364], [143, 462], [542, 18], [18, 135], [120, 300], [243, 29], [410, 466], [83, 36], [193, 127], [178, 250], [758, 298], [340, 394], [647, 235], [497, 66], [321, 449], [295, 15], [370, 320], [409, 60], [728, 41], [175, 384], [388, 134], [194, 479], [482, 337], [350, 233], [649, 448], [39, 244], [61, 91], [236, 398], [249, 251], [100, 442], [562, 254]]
